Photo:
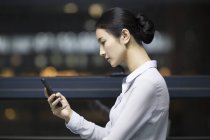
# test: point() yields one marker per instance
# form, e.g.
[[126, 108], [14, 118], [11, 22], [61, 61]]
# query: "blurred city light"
[[4, 45], [49, 72], [162, 43], [16, 60], [43, 41], [67, 42], [10, 114], [7, 72], [165, 71], [72, 61], [56, 59], [95, 10], [68, 73], [21, 44], [88, 43], [90, 25], [40, 61], [71, 8]]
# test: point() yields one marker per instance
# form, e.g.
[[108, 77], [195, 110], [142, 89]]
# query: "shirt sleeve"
[[86, 129], [136, 112]]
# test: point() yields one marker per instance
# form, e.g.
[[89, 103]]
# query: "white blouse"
[[139, 113]]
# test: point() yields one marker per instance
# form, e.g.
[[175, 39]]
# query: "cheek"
[[110, 47], [118, 55], [115, 51]]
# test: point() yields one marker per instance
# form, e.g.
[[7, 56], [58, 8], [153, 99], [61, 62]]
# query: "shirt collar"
[[141, 69]]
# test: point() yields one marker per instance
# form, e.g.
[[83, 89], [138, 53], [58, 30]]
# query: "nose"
[[102, 52]]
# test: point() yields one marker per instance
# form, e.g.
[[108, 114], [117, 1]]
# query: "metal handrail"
[[98, 86]]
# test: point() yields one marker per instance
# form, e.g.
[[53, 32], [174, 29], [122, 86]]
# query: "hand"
[[63, 112]]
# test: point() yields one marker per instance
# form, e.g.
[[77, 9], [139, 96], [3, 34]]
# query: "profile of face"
[[111, 48]]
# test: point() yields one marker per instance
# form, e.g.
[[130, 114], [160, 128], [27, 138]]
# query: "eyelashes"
[[103, 42]]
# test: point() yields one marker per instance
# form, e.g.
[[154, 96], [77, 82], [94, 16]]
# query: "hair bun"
[[147, 28]]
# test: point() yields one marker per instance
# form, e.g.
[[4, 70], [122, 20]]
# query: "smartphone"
[[47, 86], [49, 90]]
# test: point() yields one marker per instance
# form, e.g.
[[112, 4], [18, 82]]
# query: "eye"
[[103, 42]]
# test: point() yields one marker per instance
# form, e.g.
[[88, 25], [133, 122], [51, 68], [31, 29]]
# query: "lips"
[[108, 59]]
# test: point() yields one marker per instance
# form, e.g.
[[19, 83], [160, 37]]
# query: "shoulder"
[[151, 75], [151, 79]]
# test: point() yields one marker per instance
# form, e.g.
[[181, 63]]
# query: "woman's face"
[[111, 47]]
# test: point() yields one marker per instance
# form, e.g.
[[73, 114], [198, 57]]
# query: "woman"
[[141, 110]]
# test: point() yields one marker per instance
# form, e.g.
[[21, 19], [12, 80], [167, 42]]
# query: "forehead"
[[100, 33], [103, 34]]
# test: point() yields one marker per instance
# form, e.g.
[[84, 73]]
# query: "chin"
[[114, 65]]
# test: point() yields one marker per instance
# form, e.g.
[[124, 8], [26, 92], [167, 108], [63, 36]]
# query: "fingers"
[[64, 110], [51, 98], [63, 101], [56, 111], [55, 103], [58, 94], [55, 100]]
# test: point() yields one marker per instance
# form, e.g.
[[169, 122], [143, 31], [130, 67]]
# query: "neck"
[[136, 56]]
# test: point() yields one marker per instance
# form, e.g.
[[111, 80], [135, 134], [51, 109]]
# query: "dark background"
[[186, 22]]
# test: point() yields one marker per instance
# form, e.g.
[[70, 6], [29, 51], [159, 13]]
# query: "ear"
[[125, 36]]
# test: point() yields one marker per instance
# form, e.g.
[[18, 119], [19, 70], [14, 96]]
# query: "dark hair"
[[115, 19]]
